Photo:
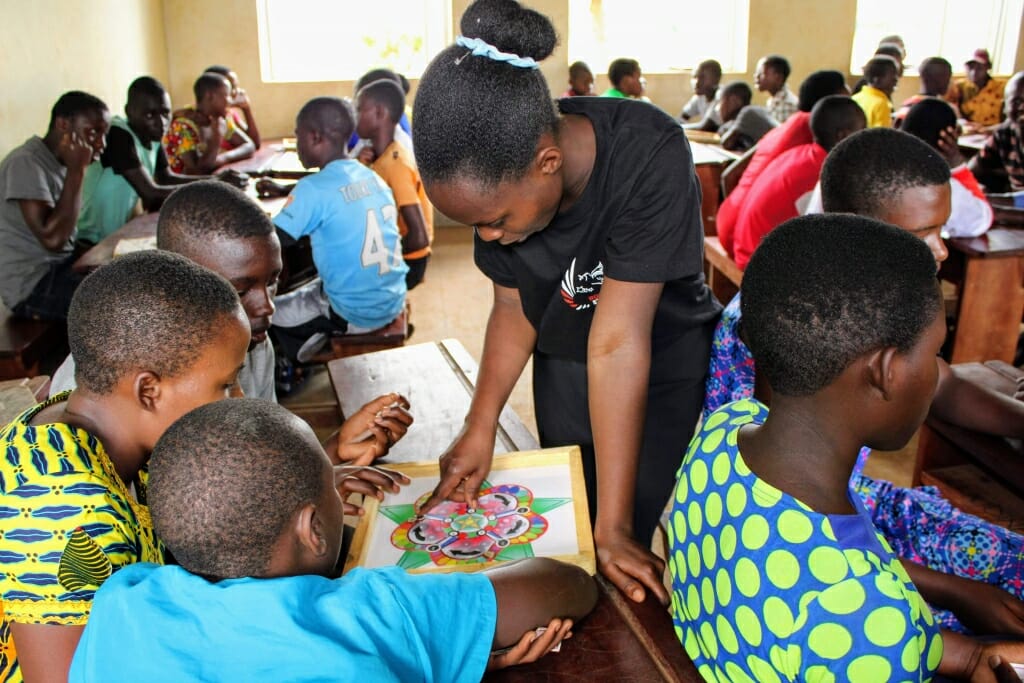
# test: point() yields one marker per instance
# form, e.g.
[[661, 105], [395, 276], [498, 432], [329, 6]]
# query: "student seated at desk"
[[999, 166], [581, 80], [935, 73], [133, 166], [705, 90], [782, 191], [743, 124], [980, 95], [350, 217], [771, 76], [240, 108], [193, 141], [802, 586], [260, 601], [882, 73], [925, 531], [155, 335], [626, 79], [379, 106], [41, 183], [223, 229], [795, 131], [362, 149]]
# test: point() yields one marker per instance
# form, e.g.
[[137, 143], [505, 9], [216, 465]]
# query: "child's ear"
[[549, 160], [146, 390], [881, 370], [309, 530]]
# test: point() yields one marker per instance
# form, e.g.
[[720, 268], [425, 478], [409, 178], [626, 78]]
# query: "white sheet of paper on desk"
[[132, 244]]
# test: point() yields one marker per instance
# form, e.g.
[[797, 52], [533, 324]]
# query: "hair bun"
[[510, 27]]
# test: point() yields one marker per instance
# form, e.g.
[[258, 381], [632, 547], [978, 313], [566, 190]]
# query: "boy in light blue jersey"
[[349, 215]]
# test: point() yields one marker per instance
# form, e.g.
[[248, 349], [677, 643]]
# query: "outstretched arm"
[[965, 403]]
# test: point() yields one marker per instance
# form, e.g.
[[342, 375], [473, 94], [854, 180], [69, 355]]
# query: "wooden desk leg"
[[991, 302], [710, 177]]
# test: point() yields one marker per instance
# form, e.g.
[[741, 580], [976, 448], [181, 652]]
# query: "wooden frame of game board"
[[565, 455]]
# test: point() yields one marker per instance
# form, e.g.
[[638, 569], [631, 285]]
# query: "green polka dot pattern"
[[766, 589]]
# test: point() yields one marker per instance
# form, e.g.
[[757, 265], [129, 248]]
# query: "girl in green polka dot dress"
[[777, 570]]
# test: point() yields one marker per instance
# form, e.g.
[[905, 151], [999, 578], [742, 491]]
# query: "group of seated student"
[[207, 135], [739, 124]]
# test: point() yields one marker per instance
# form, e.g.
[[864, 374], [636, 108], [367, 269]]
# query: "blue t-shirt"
[[349, 214], [153, 623], [765, 588]]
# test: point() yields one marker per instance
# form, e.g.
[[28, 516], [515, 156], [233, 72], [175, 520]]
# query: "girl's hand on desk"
[[463, 468], [630, 566], [986, 609], [369, 481], [372, 431]]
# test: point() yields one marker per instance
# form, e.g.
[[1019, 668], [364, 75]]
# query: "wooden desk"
[[979, 473], [991, 294], [709, 161], [438, 379], [620, 641], [971, 144], [102, 252], [271, 159]]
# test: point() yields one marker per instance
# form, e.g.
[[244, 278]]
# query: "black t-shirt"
[[121, 155], [638, 220]]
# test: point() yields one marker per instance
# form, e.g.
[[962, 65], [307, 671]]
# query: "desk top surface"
[[999, 242], [273, 159], [710, 154]]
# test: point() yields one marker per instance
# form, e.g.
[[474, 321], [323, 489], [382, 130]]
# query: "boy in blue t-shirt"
[[349, 215], [252, 599], [778, 572]]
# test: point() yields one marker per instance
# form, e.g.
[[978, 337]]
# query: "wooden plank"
[[438, 379], [977, 492], [723, 275], [991, 304]]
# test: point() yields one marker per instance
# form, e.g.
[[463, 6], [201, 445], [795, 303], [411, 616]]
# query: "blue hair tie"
[[480, 48]]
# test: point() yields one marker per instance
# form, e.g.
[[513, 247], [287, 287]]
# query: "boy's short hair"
[[877, 67], [737, 89], [224, 71], [226, 479], [199, 212], [818, 85], [73, 103], [779, 65], [377, 75], [823, 290], [891, 50], [208, 82], [833, 115], [404, 82], [867, 171], [330, 116], [621, 68], [149, 310], [578, 69], [388, 93], [146, 86], [928, 118], [712, 67]]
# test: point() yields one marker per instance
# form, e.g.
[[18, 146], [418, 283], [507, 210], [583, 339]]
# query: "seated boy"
[[743, 124], [133, 165], [193, 141], [350, 217], [771, 75], [259, 601], [581, 80], [795, 131], [705, 89], [980, 95], [881, 74], [935, 73], [41, 183], [626, 79], [782, 191], [155, 335], [999, 166], [923, 528], [223, 229], [240, 108], [798, 583], [361, 149], [379, 106]]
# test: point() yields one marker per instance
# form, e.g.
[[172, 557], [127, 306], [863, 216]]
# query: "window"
[[953, 29], [663, 35], [327, 40]]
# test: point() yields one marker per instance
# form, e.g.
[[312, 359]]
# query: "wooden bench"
[[723, 275], [24, 343], [391, 336]]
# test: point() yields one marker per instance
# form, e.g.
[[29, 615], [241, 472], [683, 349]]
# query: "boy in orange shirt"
[[379, 107]]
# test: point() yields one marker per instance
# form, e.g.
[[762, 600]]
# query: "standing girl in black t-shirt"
[[587, 220]]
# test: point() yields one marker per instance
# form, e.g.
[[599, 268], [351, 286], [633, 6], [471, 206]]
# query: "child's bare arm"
[[966, 403], [241, 148], [416, 238], [531, 593], [45, 650]]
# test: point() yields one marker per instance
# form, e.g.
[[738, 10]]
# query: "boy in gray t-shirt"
[[41, 187]]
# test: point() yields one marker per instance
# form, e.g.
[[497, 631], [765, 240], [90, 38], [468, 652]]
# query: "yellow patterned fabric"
[[184, 136], [67, 521], [983, 106]]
